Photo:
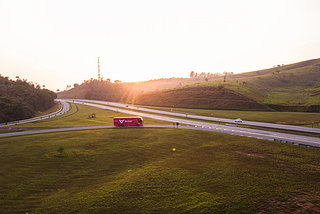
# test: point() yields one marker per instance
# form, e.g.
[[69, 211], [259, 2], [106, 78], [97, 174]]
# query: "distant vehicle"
[[127, 106], [238, 120], [128, 121]]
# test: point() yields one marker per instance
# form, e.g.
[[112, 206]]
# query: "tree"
[[75, 85], [60, 149], [191, 74]]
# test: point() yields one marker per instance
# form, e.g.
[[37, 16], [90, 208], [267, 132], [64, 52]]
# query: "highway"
[[250, 123], [187, 124], [260, 134]]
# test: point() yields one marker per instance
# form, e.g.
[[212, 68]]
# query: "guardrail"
[[295, 143], [233, 125]]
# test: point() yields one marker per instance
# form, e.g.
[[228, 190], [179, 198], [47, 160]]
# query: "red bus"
[[128, 121]]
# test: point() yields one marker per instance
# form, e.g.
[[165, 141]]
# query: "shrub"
[[220, 87], [93, 115], [60, 149]]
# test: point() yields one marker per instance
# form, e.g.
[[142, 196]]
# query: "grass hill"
[[294, 87]]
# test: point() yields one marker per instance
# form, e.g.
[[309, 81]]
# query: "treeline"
[[21, 99], [105, 90], [208, 74]]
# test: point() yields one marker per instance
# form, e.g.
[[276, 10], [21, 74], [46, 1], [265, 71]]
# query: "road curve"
[[64, 108]]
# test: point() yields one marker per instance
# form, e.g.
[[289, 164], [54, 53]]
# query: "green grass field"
[[135, 170]]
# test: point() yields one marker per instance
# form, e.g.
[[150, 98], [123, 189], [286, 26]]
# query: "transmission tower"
[[98, 69]]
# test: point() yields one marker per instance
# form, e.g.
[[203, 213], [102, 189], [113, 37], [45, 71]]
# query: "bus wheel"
[[120, 125], [137, 124]]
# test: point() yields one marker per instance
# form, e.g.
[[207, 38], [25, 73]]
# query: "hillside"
[[294, 87], [20, 99], [137, 87], [200, 97]]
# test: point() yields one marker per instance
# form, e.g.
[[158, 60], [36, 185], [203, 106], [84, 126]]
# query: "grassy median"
[[79, 115]]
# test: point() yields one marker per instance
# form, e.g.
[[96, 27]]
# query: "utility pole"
[[98, 69]]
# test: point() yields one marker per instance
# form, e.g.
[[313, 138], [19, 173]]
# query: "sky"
[[57, 43]]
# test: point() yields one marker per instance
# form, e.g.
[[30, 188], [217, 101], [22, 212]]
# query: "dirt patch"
[[307, 203], [317, 167], [251, 154]]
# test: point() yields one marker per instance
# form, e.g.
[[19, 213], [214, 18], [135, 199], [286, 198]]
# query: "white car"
[[238, 120]]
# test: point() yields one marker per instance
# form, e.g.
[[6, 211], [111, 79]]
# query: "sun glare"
[[143, 40]]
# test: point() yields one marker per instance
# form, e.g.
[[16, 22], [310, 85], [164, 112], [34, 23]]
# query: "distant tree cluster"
[[106, 90], [278, 65], [21, 99], [208, 75], [163, 79]]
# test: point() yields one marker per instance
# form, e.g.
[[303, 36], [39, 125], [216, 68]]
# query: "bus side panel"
[[127, 122]]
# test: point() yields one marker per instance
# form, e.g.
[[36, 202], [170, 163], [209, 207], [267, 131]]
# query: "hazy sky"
[[57, 43]]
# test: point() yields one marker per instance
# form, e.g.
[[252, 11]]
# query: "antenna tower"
[[98, 69]]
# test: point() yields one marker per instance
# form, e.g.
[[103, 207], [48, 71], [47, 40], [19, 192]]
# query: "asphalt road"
[[260, 134]]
